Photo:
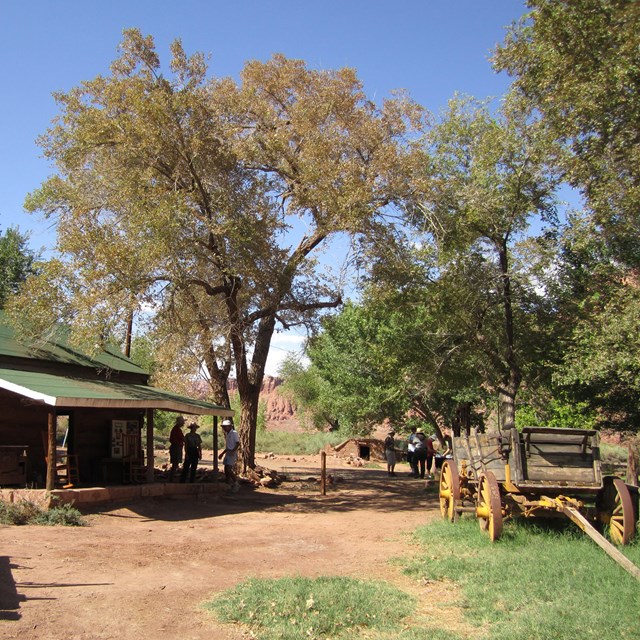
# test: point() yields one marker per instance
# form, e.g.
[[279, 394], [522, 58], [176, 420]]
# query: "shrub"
[[26, 512]]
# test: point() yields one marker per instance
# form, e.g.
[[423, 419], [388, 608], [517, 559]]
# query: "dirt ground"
[[142, 569]]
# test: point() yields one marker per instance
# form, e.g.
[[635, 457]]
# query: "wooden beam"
[[215, 444], [150, 447], [52, 461], [323, 473], [575, 516]]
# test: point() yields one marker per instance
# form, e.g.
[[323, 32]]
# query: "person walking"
[[390, 453], [230, 453], [192, 453], [176, 445]]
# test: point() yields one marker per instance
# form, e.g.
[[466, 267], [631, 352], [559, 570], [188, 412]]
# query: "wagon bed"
[[536, 459]]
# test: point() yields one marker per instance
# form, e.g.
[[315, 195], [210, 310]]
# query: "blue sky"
[[431, 48]]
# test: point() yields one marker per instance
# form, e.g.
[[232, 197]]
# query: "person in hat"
[[230, 453], [390, 452], [176, 445], [192, 453]]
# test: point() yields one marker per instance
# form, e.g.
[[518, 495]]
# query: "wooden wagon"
[[536, 472]]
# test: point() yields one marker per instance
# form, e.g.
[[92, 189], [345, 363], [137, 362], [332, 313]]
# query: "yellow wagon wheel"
[[489, 506], [449, 490], [615, 510]]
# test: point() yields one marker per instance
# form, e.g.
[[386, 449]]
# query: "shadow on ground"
[[347, 490]]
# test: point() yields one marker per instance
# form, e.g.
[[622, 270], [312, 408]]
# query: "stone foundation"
[[97, 495]]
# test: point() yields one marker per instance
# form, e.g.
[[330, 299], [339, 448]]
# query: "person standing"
[[192, 453], [411, 450], [420, 453], [390, 453], [230, 453], [176, 445], [431, 454]]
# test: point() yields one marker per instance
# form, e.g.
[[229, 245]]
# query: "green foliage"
[[26, 512], [556, 413], [294, 608], [16, 262], [535, 582], [575, 64], [486, 180], [601, 366]]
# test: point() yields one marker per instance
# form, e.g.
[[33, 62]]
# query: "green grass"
[[283, 443], [25, 512], [534, 583], [325, 607]]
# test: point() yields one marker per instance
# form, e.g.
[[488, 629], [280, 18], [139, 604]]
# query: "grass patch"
[[25, 512], [325, 607], [283, 443], [536, 583]]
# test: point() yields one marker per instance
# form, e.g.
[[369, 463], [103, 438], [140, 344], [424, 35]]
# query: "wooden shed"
[[100, 403]]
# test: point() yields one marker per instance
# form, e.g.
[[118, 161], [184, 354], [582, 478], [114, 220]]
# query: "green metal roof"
[[58, 348], [73, 392]]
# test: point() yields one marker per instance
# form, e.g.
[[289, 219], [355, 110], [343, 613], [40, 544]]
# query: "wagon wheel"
[[449, 490], [489, 506], [615, 510]]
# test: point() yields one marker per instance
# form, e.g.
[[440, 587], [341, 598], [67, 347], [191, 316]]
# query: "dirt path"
[[142, 569]]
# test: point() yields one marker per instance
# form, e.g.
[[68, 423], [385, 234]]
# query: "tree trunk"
[[507, 404], [507, 393], [249, 386], [249, 403], [435, 421]]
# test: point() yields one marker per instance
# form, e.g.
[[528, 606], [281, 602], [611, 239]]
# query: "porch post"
[[150, 448], [215, 443], [52, 462]]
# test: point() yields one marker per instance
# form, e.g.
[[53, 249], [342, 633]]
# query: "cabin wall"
[[92, 442], [23, 422]]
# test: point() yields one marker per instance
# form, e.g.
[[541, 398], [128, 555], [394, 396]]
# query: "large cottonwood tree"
[[486, 181], [576, 67], [208, 200]]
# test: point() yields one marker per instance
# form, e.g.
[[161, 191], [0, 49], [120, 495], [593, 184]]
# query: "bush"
[[66, 515], [26, 512], [18, 513]]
